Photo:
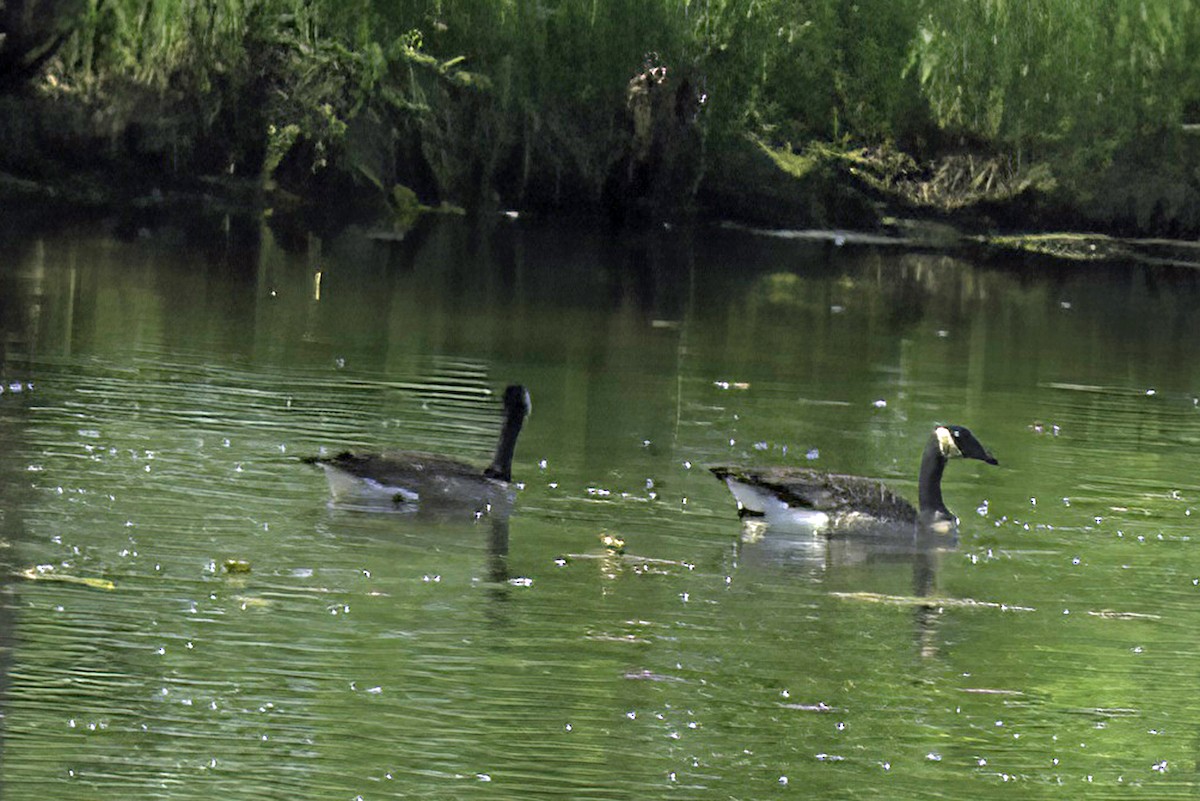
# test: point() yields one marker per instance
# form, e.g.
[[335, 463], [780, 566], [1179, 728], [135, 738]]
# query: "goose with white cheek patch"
[[427, 479], [803, 496]]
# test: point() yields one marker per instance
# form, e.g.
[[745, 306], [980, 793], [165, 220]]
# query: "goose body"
[[829, 500], [428, 479]]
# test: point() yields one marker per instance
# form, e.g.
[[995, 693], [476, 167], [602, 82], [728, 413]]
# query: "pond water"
[[257, 641]]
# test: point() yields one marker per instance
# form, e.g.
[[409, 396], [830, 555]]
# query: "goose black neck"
[[933, 463], [501, 466]]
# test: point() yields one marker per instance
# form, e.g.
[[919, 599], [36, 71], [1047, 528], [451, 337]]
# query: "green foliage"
[[557, 74], [31, 33], [268, 76], [1054, 78], [495, 96], [279, 142], [818, 69], [150, 42]]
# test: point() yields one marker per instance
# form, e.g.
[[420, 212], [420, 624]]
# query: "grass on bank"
[[513, 99]]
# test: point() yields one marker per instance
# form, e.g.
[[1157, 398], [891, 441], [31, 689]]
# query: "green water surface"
[[158, 389]]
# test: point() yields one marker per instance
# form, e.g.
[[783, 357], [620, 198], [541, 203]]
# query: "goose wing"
[[824, 492], [415, 475]]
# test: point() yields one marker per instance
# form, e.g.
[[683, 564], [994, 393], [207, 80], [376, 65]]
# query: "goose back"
[[831, 493]]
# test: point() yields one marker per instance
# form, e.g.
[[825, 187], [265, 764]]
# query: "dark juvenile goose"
[[410, 477], [828, 499]]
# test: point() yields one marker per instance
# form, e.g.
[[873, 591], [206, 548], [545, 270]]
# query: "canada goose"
[[831, 500], [411, 477]]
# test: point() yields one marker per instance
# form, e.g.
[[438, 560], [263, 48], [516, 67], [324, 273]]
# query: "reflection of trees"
[[21, 296], [884, 323], [14, 488]]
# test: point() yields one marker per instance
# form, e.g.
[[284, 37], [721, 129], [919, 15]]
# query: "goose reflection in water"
[[855, 560], [433, 542]]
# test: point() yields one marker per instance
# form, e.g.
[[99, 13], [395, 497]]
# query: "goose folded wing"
[[827, 492]]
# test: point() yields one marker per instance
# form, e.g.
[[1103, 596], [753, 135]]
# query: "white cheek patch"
[[946, 443]]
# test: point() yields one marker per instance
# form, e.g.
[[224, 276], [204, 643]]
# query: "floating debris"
[[235, 566], [640, 565], [252, 602], [910, 600], [621, 638], [817, 707], [1070, 246], [1112, 614], [46, 573], [613, 543], [648, 675]]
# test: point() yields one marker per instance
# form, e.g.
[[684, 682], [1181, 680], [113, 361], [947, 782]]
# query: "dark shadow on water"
[[20, 305], [11, 530]]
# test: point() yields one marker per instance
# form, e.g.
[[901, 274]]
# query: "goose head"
[[947, 442], [957, 442]]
